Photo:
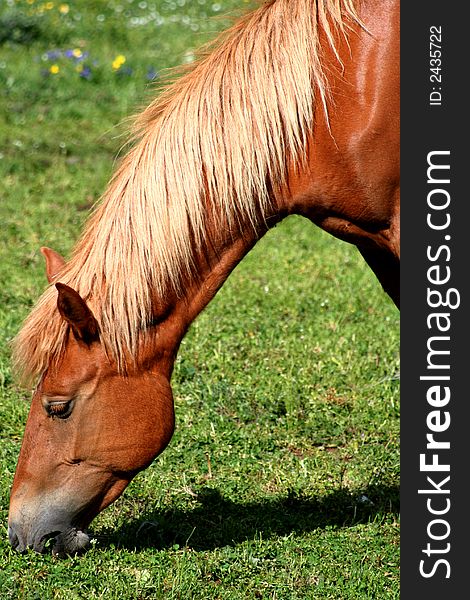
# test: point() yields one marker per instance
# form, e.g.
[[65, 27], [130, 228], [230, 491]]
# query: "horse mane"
[[217, 139]]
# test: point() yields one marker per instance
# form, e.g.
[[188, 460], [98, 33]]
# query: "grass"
[[281, 480]]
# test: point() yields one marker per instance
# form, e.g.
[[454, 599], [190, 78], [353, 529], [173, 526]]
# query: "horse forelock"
[[217, 139]]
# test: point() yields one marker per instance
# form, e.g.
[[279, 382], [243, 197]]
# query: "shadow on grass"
[[216, 522]]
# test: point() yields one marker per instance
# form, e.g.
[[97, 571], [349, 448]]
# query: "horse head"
[[90, 430]]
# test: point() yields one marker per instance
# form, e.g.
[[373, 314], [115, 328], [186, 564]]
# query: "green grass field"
[[282, 478]]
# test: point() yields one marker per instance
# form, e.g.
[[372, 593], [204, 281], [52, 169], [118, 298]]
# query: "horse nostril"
[[13, 538], [47, 541]]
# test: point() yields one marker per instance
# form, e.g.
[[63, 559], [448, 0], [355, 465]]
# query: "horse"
[[295, 110]]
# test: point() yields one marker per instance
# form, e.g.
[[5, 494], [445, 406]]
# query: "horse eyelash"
[[59, 409]]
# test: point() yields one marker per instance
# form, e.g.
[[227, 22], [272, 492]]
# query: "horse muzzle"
[[66, 540], [44, 526]]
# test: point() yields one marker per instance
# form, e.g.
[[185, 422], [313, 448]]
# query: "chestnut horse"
[[294, 110]]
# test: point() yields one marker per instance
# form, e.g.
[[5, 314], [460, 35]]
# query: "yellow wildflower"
[[54, 69], [118, 61], [49, 5], [64, 9], [77, 52]]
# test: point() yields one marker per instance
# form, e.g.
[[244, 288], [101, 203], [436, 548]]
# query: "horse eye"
[[58, 408]]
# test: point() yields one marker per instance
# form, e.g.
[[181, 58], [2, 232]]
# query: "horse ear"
[[54, 263], [75, 311]]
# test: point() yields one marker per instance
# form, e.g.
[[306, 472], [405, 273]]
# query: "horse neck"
[[175, 313]]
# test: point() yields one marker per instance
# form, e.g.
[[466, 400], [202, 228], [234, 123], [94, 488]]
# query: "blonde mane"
[[216, 139]]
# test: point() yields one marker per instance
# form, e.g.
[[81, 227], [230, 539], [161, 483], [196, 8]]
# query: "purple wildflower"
[[151, 74], [124, 71], [53, 54], [85, 72]]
